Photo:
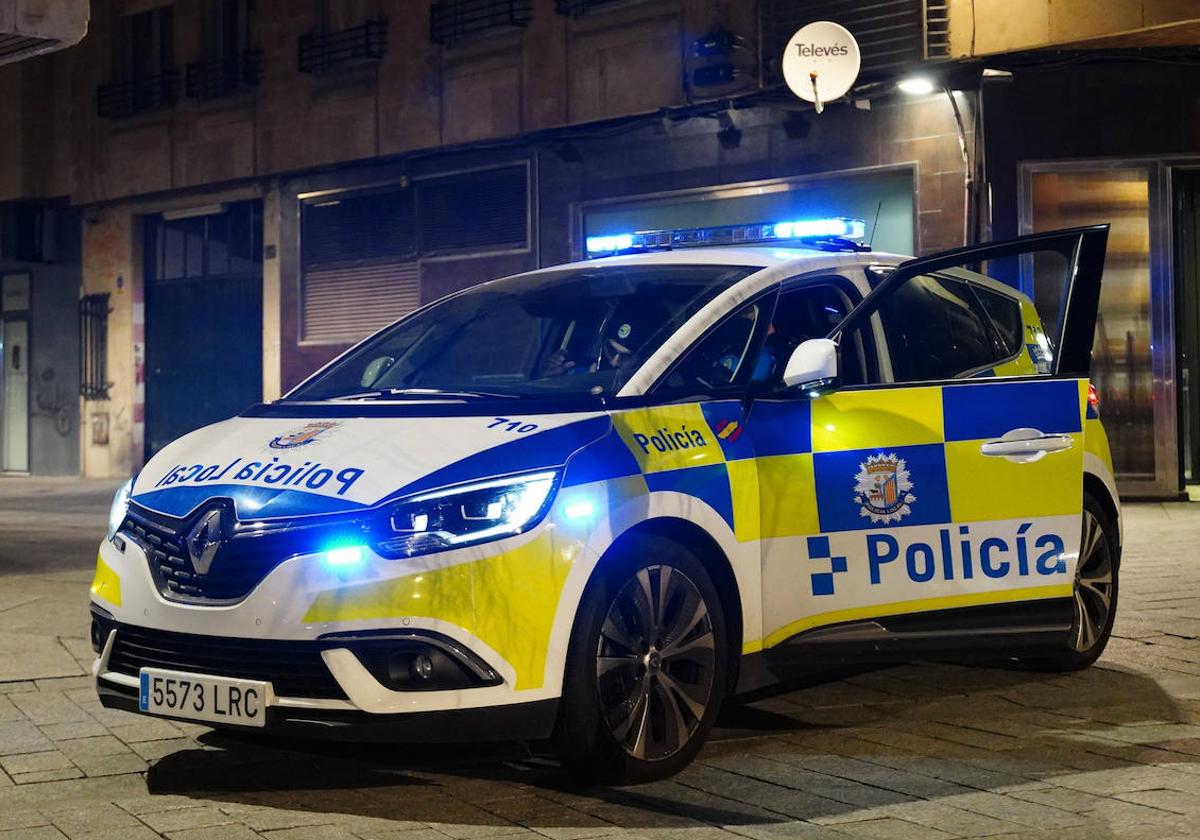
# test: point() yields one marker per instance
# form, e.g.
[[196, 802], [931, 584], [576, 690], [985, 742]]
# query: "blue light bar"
[[832, 234]]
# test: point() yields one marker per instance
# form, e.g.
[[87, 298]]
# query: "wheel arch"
[[700, 543], [1096, 486]]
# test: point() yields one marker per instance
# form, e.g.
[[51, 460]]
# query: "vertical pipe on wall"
[[968, 175]]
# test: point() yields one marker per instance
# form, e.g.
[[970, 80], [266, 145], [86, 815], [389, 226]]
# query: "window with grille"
[[233, 62], [143, 67], [360, 251], [451, 21], [93, 342]]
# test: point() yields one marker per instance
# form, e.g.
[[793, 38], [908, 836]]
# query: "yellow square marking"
[[984, 487], [743, 485], [669, 437], [788, 496], [877, 418]]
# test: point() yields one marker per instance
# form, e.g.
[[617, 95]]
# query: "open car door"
[[948, 468]]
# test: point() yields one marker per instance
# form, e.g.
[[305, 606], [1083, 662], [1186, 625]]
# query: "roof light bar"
[[836, 234]]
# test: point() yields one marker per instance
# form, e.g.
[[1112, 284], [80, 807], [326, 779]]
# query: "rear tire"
[[1097, 576], [646, 669]]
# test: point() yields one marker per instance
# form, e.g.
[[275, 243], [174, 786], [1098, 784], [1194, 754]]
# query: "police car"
[[590, 503]]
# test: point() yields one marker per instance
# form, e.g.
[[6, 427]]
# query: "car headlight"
[[468, 514], [120, 506]]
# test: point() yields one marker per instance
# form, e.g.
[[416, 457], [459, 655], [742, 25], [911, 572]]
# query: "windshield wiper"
[[385, 393]]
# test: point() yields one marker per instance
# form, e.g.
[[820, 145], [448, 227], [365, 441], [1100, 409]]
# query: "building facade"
[[253, 185]]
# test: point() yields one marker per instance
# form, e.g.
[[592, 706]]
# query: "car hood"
[[275, 467]]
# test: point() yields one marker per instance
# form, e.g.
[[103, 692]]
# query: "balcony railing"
[[451, 21], [578, 8], [321, 52], [136, 96], [212, 79]]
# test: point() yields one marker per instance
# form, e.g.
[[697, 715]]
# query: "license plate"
[[201, 697]]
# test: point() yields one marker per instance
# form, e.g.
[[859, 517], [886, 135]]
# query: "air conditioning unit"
[[33, 27]]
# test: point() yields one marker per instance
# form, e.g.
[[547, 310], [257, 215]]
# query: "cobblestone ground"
[[917, 751]]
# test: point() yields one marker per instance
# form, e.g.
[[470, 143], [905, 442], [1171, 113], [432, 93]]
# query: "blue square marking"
[[818, 547], [822, 583]]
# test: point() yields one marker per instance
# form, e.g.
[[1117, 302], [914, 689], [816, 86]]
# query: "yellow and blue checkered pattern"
[[788, 468]]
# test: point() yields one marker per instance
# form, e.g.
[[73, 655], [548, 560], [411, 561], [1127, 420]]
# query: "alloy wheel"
[[655, 662], [1093, 585]]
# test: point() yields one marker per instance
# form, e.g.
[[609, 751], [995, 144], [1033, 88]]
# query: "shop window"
[[93, 342], [1122, 369]]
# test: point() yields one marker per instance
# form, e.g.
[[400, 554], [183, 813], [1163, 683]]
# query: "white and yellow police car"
[[592, 502]]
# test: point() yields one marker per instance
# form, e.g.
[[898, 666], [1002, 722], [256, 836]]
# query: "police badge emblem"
[[882, 489]]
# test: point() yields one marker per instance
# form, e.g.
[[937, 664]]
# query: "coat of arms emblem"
[[882, 489], [302, 437]]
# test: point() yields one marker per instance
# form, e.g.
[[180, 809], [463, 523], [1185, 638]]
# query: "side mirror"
[[813, 364], [377, 368]]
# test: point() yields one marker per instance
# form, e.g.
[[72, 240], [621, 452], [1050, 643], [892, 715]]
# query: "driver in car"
[[627, 329]]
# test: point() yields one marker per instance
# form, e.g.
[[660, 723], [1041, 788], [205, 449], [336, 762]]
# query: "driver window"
[[811, 311], [717, 359]]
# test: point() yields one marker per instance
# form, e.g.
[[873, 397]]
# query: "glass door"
[[1133, 361]]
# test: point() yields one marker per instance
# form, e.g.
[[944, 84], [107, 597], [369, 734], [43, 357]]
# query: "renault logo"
[[205, 539]]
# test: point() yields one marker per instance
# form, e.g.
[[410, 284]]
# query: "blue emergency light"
[[838, 234]]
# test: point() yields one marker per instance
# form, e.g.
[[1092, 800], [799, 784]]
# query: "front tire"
[[647, 666], [1097, 576]]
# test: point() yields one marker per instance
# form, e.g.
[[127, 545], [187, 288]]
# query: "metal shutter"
[[342, 304], [486, 210]]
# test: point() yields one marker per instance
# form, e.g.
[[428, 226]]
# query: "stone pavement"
[[920, 751]]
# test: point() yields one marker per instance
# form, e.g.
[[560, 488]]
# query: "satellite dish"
[[821, 62]]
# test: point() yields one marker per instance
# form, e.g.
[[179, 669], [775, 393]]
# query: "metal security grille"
[[890, 33], [360, 226], [320, 52], [486, 210], [211, 79], [124, 99], [360, 252], [451, 21], [93, 341]]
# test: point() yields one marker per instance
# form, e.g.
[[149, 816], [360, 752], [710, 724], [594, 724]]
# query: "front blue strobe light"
[[348, 555]]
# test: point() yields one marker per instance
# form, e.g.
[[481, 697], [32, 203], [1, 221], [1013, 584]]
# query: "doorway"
[[203, 296], [1187, 226], [14, 373]]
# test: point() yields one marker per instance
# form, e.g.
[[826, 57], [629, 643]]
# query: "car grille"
[[238, 567], [295, 669]]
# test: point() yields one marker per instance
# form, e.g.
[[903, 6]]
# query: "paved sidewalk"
[[908, 752]]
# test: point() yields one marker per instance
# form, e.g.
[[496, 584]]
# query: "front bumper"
[[308, 700], [513, 722]]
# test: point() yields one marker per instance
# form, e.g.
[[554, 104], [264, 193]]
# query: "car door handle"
[[1023, 445]]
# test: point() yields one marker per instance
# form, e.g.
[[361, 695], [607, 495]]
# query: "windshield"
[[573, 332]]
